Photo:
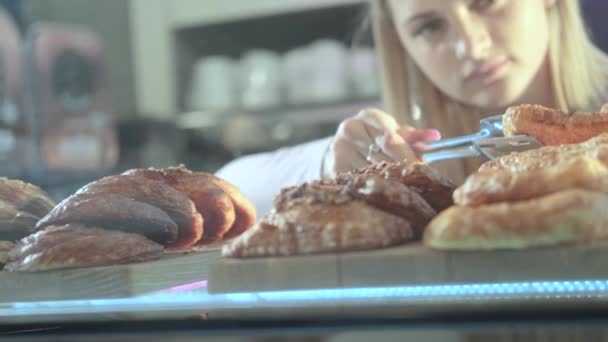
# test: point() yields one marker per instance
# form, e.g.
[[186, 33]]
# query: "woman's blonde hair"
[[577, 68], [578, 71]]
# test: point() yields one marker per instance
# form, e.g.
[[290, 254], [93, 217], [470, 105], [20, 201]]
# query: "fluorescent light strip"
[[396, 295], [556, 289]]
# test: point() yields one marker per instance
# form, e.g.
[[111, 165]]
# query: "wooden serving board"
[[411, 264], [127, 280]]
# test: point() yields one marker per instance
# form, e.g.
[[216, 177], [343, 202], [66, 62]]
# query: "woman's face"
[[486, 53]]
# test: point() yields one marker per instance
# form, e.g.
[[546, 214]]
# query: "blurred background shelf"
[[185, 14], [153, 49], [170, 36], [172, 39], [245, 132]]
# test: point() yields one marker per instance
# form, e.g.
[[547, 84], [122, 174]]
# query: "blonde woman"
[[446, 64]]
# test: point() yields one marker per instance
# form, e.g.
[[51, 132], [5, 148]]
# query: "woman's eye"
[[429, 27], [482, 4]]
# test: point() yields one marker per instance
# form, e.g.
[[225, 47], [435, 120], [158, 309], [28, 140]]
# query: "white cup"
[[364, 72], [298, 75], [213, 85], [330, 79], [260, 80]]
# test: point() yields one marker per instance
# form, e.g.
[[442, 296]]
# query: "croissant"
[[15, 224], [74, 245], [551, 195], [174, 206], [566, 216], [320, 218], [244, 209], [215, 205], [421, 178], [490, 186], [21, 206], [174, 203], [548, 156], [356, 211], [113, 211], [25, 197], [553, 127]]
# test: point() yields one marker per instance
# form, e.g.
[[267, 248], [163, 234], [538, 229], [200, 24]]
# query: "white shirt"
[[261, 176]]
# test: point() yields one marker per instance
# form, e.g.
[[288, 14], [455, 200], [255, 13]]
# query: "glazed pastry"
[[548, 156], [25, 197], [75, 246], [156, 193], [15, 224], [365, 212], [553, 127], [5, 248], [421, 178], [387, 195], [315, 230], [491, 186], [211, 201], [114, 212], [566, 216]]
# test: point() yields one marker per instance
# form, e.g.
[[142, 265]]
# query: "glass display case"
[[229, 170]]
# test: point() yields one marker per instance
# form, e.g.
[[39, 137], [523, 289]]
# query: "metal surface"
[[491, 148], [467, 151], [488, 142], [489, 127]]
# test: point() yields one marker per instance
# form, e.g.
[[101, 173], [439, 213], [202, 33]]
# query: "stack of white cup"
[[213, 85], [324, 71]]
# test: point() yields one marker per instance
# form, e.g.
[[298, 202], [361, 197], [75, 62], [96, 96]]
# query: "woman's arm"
[[261, 176]]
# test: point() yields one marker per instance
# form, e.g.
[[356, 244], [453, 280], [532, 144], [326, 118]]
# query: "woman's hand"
[[350, 147]]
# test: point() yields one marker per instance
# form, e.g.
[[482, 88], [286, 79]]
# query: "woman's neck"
[[539, 91]]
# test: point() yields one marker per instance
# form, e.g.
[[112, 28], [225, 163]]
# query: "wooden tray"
[[411, 264], [173, 269]]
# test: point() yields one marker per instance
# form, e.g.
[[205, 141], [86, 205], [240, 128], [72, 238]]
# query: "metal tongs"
[[489, 142]]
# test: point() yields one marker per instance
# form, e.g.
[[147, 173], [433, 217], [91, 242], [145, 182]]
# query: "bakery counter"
[[408, 282]]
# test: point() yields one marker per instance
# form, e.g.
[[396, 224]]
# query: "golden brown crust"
[[553, 127], [211, 201], [112, 211], [386, 195], [491, 186], [315, 192], [177, 205], [74, 246], [394, 198], [5, 248], [421, 178], [317, 229], [549, 156], [25, 197], [564, 217], [245, 209], [354, 212], [15, 224]]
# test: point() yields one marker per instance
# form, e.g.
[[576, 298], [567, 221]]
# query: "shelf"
[[170, 36], [298, 115], [271, 129], [186, 14]]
